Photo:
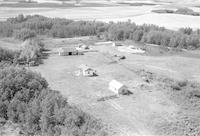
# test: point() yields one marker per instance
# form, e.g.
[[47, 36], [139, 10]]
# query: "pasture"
[[139, 113]]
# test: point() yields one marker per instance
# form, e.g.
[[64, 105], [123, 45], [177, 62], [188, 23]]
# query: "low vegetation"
[[185, 94], [8, 55], [27, 100], [28, 27], [183, 11]]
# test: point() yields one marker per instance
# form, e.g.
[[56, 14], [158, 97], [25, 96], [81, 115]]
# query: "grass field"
[[139, 114], [151, 110]]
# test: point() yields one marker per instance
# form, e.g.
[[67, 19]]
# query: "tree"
[[24, 34]]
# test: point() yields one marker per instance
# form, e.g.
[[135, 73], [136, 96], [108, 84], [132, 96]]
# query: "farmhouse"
[[118, 87], [87, 71], [67, 51]]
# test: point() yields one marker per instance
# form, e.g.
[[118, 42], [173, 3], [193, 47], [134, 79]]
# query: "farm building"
[[131, 49], [118, 87], [87, 71], [106, 43], [67, 51], [83, 47], [118, 44]]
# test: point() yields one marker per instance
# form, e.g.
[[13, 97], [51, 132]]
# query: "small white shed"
[[87, 71], [118, 87]]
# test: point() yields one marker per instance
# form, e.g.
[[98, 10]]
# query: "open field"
[[148, 111], [95, 10]]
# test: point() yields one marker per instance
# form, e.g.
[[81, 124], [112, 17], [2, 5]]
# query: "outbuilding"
[[67, 51], [118, 87], [106, 43], [87, 71]]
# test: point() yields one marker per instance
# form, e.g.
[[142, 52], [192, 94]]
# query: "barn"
[[87, 71], [67, 51], [105, 43], [118, 87]]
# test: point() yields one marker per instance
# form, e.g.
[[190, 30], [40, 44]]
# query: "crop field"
[[148, 111], [95, 10]]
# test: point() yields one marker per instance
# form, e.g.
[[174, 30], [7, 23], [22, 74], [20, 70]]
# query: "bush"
[[31, 52], [8, 55]]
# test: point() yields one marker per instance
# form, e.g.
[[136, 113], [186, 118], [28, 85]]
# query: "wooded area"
[[23, 28]]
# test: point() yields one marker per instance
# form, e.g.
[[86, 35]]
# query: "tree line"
[[25, 27], [183, 11]]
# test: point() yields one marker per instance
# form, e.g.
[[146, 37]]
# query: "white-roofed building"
[[118, 87]]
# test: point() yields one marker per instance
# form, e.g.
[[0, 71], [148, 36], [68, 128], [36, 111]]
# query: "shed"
[[67, 51], [87, 71], [118, 87]]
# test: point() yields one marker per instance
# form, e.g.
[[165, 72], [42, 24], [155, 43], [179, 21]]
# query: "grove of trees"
[[183, 11], [27, 100], [31, 53]]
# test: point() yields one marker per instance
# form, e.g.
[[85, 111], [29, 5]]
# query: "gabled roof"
[[85, 67], [116, 84], [67, 49]]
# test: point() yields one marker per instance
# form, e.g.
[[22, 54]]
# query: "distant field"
[[169, 21], [104, 12]]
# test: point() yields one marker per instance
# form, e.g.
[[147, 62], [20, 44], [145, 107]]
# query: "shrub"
[[31, 51], [8, 55]]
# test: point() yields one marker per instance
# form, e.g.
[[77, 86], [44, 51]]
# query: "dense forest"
[[25, 27], [27, 101]]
